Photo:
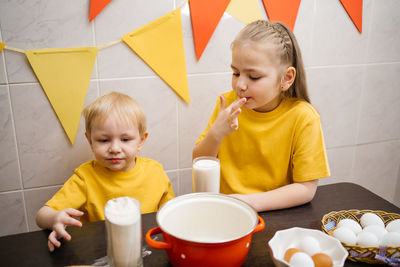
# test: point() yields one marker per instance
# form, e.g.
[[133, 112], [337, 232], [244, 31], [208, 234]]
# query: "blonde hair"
[[287, 50], [114, 103]]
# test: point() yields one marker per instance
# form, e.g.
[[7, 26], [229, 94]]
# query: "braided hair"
[[287, 51]]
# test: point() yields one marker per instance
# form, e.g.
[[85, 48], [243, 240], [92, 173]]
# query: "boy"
[[116, 131]]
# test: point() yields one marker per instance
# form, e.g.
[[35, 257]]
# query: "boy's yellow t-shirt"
[[271, 149], [92, 185]]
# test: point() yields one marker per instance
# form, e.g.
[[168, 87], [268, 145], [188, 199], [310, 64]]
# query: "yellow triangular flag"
[[246, 11], [160, 45], [2, 45], [64, 74]]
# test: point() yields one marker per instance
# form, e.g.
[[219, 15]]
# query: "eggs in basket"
[[369, 236]]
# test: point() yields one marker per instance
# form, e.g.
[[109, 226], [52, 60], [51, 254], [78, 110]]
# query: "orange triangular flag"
[[96, 6], [205, 16], [160, 45], [282, 10], [2, 45], [64, 74], [354, 10]]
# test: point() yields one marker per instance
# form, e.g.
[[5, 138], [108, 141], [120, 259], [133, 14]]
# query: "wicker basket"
[[360, 253]]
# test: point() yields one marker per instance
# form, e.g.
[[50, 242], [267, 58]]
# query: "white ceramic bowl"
[[285, 239]]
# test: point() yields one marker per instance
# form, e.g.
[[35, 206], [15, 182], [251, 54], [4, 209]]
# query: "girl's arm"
[[209, 146], [287, 196], [225, 123]]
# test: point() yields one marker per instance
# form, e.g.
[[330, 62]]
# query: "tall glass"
[[206, 174], [123, 226]]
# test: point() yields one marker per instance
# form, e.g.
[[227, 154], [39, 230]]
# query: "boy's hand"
[[227, 120], [63, 219]]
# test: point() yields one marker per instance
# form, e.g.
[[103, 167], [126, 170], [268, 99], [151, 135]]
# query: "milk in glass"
[[206, 174], [123, 226]]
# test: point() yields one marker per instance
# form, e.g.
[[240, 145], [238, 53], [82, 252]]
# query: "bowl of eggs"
[[302, 247], [369, 236]]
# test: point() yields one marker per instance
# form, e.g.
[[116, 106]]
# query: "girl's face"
[[115, 143], [256, 75]]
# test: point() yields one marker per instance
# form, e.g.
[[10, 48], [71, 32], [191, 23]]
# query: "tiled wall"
[[353, 80]]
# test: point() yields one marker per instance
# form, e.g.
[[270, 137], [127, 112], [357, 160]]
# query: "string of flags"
[[64, 73]]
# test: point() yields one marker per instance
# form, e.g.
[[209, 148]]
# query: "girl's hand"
[[227, 119], [63, 219]]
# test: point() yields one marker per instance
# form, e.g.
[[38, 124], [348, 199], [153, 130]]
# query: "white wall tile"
[[193, 118], [335, 92], [12, 215], [384, 38], [9, 171], [46, 155], [160, 105], [174, 178], [341, 161], [380, 113], [377, 166], [119, 61], [396, 200], [303, 29], [42, 24], [336, 40], [35, 199], [3, 79], [185, 181]]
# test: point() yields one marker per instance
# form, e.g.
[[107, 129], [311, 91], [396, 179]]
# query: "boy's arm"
[[225, 123], [45, 217], [48, 218], [287, 196]]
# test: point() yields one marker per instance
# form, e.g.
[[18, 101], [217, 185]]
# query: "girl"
[[265, 132]]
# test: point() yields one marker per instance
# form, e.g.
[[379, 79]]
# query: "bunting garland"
[[354, 10], [160, 45], [64, 73], [96, 6], [205, 16], [246, 11], [282, 10]]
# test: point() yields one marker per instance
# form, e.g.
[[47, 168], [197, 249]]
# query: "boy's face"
[[115, 143]]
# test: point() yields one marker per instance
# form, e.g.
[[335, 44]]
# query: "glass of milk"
[[206, 174], [123, 227]]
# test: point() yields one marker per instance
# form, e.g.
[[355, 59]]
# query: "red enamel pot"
[[205, 229]]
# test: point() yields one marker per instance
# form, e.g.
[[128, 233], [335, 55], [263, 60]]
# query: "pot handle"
[[260, 226], [156, 244]]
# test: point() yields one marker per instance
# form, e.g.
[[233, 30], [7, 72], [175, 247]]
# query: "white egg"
[[309, 245], [367, 239], [301, 259], [393, 226], [351, 224], [377, 230], [391, 239], [345, 235], [371, 219]]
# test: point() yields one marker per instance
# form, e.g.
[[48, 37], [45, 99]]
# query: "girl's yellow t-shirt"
[[271, 149], [92, 185]]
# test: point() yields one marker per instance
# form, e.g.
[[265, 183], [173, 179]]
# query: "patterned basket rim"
[[368, 254]]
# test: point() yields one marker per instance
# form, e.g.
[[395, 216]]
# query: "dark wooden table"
[[88, 243]]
